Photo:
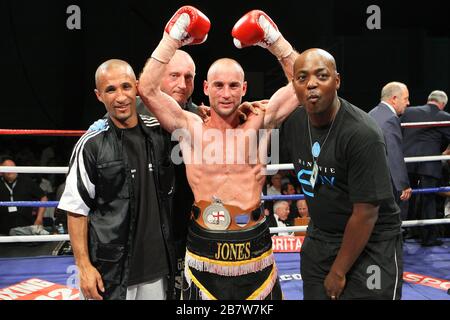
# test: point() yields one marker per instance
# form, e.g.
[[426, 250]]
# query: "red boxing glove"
[[255, 28], [189, 26]]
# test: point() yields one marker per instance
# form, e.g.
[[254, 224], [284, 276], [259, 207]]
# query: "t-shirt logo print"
[[305, 181], [304, 177]]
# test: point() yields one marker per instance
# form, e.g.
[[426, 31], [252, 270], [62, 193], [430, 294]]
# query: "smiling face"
[[225, 87], [116, 88], [316, 81]]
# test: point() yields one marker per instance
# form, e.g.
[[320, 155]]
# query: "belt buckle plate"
[[216, 216]]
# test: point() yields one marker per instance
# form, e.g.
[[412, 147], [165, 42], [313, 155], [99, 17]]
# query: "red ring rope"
[[33, 132]]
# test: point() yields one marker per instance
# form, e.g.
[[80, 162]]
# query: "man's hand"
[[334, 285], [90, 283], [257, 28], [255, 107], [406, 194], [204, 112]]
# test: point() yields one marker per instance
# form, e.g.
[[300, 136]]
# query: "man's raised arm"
[[187, 26], [257, 28]]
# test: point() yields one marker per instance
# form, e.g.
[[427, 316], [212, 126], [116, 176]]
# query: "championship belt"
[[216, 216]]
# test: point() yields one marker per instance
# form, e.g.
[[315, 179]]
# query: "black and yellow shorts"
[[235, 265]]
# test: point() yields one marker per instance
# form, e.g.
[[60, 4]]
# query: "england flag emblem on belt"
[[216, 217]]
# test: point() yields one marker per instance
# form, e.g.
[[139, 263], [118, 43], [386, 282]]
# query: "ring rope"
[[48, 238], [42, 204], [285, 197], [425, 124], [29, 169], [65, 237], [275, 167], [38, 132], [270, 168], [74, 133]]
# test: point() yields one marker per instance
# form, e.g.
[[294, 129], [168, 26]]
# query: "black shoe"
[[432, 243]]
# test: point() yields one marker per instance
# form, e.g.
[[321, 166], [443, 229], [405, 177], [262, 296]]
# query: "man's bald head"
[[396, 94], [316, 53], [225, 86], [117, 89], [111, 65], [225, 64], [178, 78], [392, 89], [182, 57]]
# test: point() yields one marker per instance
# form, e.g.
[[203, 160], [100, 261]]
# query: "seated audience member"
[[302, 209], [275, 185], [19, 187], [303, 216], [281, 213]]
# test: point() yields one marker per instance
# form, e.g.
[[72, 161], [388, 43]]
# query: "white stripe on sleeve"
[[71, 199]]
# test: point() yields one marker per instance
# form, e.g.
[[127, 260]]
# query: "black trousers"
[[377, 274], [424, 205]]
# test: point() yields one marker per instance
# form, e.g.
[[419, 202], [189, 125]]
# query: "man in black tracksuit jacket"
[[118, 194]]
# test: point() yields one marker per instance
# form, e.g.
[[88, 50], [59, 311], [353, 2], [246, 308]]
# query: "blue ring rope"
[[49, 204]]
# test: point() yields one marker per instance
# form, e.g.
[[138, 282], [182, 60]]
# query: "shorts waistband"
[[230, 252], [212, 244]]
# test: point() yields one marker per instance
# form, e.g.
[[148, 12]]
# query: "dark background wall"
[[49, 82]]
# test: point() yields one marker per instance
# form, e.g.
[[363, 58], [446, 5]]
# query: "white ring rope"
[[65, 237], [48, 238], [270, 168], [34, 169], [425, 124], [405, 224], [418, 223], [426, 158]]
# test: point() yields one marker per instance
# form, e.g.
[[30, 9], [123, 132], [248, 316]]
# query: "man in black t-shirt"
[[353, 247]]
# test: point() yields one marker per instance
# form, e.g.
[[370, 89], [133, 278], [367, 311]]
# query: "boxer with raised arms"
[[229, 252]]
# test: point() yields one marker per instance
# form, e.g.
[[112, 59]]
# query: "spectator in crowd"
[[281, 213], [275, 185], [289, 189], [19, 187], [60, 215], [302, 209]]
